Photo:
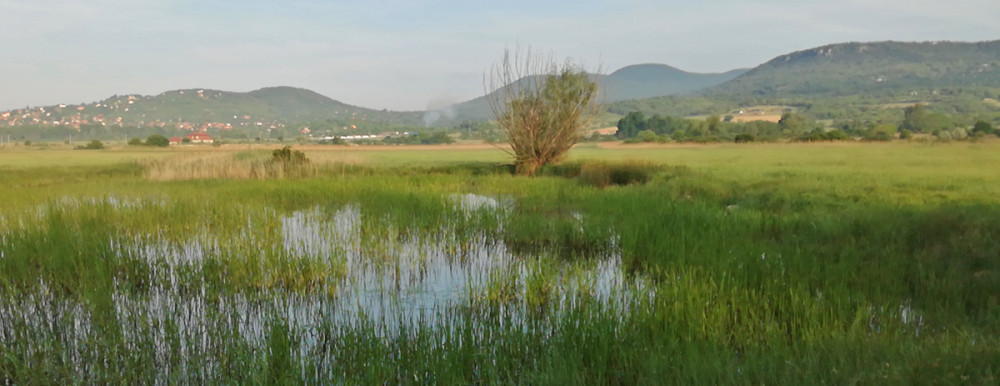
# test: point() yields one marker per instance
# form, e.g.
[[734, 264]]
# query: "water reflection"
[[388, 283]]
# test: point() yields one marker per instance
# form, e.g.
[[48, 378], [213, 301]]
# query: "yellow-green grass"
[[899, 172], [902, 172]]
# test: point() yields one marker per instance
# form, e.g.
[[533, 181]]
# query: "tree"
[[631, 125], [157, 140], [712, 123], [134, 142], [542, 107], [793, 124], [983, 128], [881, 132], [919, 119]]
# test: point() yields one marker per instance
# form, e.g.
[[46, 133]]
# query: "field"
[[839, 263]]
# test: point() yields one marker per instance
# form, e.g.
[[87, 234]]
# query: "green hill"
[[870, 68], [870, 82], [265, 107], [273, 104]]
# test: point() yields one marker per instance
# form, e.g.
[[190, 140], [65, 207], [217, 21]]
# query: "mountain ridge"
[[870, 67], [636, 81]]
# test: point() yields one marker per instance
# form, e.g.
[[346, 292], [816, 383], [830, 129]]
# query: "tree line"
[[917, 119]]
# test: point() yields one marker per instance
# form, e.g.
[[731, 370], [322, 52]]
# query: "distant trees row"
[[636, 127], [419, 138], [156, 140], [964, 105]]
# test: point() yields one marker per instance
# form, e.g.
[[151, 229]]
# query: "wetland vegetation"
[[765, 263]]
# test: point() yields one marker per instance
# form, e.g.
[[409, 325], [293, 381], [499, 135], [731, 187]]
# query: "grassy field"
[[766, 263]]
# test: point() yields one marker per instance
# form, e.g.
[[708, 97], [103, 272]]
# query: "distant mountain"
[[631, 82], [653, 80], [866, 68], [194, 107]]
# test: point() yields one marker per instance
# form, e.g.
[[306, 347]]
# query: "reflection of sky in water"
[[421, 280], [416, 279]]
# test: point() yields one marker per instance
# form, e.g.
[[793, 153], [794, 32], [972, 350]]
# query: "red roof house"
[[200, 138]]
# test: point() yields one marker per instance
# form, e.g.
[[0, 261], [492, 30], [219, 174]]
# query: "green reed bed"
[[465, 274]]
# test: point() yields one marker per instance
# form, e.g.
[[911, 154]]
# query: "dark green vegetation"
[[765, 264], [636, 128]]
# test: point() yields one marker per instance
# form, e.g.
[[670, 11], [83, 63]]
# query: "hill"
[[194, 108], [866, 82], [653, 80], [869, 68], [630, 82]]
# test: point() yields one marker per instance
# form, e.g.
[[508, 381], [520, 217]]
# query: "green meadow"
[[866, 263]]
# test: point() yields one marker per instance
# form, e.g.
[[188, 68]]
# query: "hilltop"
[[653, 80]]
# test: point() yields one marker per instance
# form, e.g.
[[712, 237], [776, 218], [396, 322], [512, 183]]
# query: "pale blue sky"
[[411, 55]]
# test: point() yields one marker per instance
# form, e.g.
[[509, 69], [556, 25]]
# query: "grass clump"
[[282, 163], [600, 175]]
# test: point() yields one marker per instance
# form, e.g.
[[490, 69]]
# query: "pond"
[[322, 275]]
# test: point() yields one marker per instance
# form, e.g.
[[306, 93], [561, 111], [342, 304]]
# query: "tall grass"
[[244, 165]]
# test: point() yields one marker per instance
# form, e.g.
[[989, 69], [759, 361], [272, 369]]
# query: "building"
[[200, 138], [176, 140]]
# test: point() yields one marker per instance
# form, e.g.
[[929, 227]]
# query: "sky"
[[420, 54]]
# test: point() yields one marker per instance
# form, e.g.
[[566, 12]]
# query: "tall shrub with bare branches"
[[541, 106]]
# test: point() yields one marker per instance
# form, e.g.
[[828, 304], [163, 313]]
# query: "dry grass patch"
[[243, 165]]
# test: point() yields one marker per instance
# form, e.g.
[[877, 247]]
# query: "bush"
[[135, 142], [837, 135], [601, 175], [157, 140], [647, 136], [288, 157], [92, 145], [744, 138], [881, 132], [983, 128], [819, 135]]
